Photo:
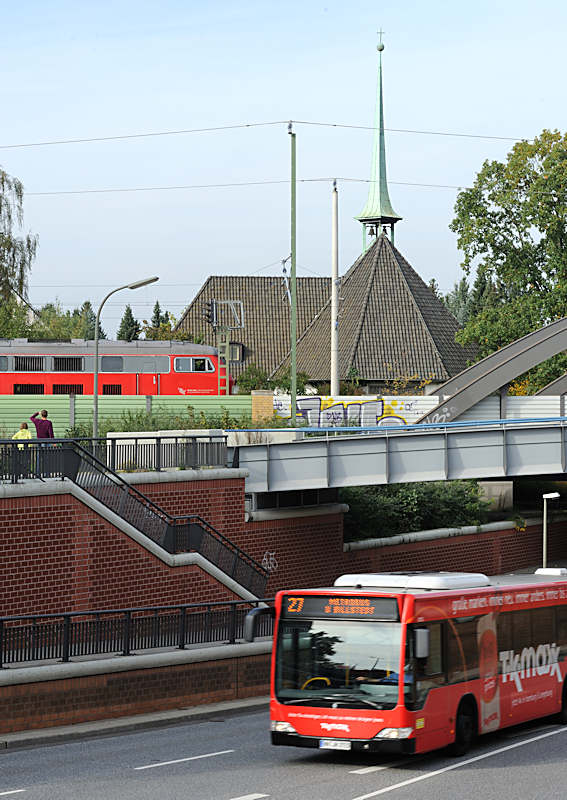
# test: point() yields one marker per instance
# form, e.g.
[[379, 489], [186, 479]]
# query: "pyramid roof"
[[391, 325]]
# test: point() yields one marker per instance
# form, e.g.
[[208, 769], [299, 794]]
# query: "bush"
[[163, 419], [380, 511]]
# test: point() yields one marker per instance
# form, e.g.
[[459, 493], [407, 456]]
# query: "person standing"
[[43, 426], [23, 433]]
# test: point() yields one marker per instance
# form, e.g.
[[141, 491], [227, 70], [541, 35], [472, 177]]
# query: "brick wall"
[[63, 702], [58, 555], [491, 552]]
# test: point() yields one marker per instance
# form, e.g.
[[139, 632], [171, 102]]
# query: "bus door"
[[429, 698], [148, 379]]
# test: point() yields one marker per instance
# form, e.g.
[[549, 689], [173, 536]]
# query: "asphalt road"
[[231, 759]]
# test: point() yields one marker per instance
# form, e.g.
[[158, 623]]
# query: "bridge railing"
[[136, 454], [48, 637]]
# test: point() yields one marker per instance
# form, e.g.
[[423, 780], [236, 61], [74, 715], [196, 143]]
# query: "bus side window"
[[462, 651], [430, 671]]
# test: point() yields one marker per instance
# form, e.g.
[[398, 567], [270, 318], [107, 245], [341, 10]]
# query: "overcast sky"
[[99, 68]]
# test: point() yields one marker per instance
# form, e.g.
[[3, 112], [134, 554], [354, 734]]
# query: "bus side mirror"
[[421, 642], [251, 620]]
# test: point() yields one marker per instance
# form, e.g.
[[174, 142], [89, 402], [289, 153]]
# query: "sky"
[[103, 69]]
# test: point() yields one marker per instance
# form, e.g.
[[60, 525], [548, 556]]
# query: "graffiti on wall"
[[325, 411]]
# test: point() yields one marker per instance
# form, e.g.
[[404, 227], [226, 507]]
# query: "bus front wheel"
[[465, 730]]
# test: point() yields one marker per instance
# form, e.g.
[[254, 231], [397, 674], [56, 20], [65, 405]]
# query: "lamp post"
[[546, 497], [134, 285]]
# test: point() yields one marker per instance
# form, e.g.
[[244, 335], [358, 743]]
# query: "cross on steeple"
[[378, 211]]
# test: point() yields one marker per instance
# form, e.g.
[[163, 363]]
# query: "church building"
[[393, 329]]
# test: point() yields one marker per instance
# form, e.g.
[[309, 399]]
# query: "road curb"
[[109, 727]]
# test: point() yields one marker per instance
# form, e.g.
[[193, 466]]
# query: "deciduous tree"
[[512, 227], [17, 252]]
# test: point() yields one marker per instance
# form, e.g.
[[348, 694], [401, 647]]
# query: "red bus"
[[408, 663], [125, 368]]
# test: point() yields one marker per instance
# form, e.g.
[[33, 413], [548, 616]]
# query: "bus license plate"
[[334, 744]]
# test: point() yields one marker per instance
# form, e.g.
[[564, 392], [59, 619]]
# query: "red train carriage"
[[125, 368]]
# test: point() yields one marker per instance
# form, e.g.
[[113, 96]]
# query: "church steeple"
[[378, 211]]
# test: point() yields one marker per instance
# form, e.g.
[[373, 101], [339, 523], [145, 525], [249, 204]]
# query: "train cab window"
[[3, 363], [184, 364], [193, 364], [28, 363], [67, 364], [112, 364]]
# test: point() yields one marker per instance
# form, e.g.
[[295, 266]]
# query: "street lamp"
[[134, 285], [546, 497]]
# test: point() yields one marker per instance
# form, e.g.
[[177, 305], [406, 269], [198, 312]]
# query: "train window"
[[3, 363], [111, 388], [193, 364], [184, 364], [111, 364], [28, 363], [67, 364], [67, 388], [29, 388]]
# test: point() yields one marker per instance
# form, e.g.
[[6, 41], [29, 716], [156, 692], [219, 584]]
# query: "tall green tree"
[[51, 322], [130, 328], [17, 252], [512, 227], [459, 301]]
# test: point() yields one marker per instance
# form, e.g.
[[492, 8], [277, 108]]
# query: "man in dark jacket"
[[43, 426]]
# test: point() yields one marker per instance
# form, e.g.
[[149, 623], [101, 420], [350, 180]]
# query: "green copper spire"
[[378, 210]]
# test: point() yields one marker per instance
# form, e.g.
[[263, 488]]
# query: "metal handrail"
[[62, 636]]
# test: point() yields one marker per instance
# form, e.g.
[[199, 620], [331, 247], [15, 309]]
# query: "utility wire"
[[142, 135], [235, 184], [211, 129]]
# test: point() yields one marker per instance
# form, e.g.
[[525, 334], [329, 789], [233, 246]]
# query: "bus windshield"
[[339, 663]]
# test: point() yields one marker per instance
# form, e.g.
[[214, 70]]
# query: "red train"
[[125, 368]]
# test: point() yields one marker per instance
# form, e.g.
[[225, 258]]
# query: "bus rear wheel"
[[465, 730]]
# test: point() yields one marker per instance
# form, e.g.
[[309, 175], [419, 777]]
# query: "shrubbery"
[[378, 511]]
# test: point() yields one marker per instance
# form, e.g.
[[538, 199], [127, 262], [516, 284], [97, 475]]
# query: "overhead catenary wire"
[[244, 125], [236, 184]]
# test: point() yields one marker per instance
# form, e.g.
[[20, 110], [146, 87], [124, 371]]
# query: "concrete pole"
[[293, 282], [335, 293]]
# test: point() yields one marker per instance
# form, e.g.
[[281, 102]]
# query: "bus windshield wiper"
[[337, 698]]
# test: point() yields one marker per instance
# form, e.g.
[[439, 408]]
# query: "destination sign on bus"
[[338, 607]]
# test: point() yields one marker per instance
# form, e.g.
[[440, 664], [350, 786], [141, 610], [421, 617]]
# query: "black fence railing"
[[68, 459], [80, 634], [135, 454]]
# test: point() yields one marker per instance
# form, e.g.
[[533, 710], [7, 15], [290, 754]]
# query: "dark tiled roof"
[[391, 325], [266, 314]]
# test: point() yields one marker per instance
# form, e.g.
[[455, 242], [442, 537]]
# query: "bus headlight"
[[394, 733], [281, 727]]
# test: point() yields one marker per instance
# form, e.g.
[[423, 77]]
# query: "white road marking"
[[457, 766], [180, 760], [12, 791], [367, 770], [250, 797]]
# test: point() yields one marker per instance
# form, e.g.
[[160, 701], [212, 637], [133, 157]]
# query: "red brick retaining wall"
[[86, 698]]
